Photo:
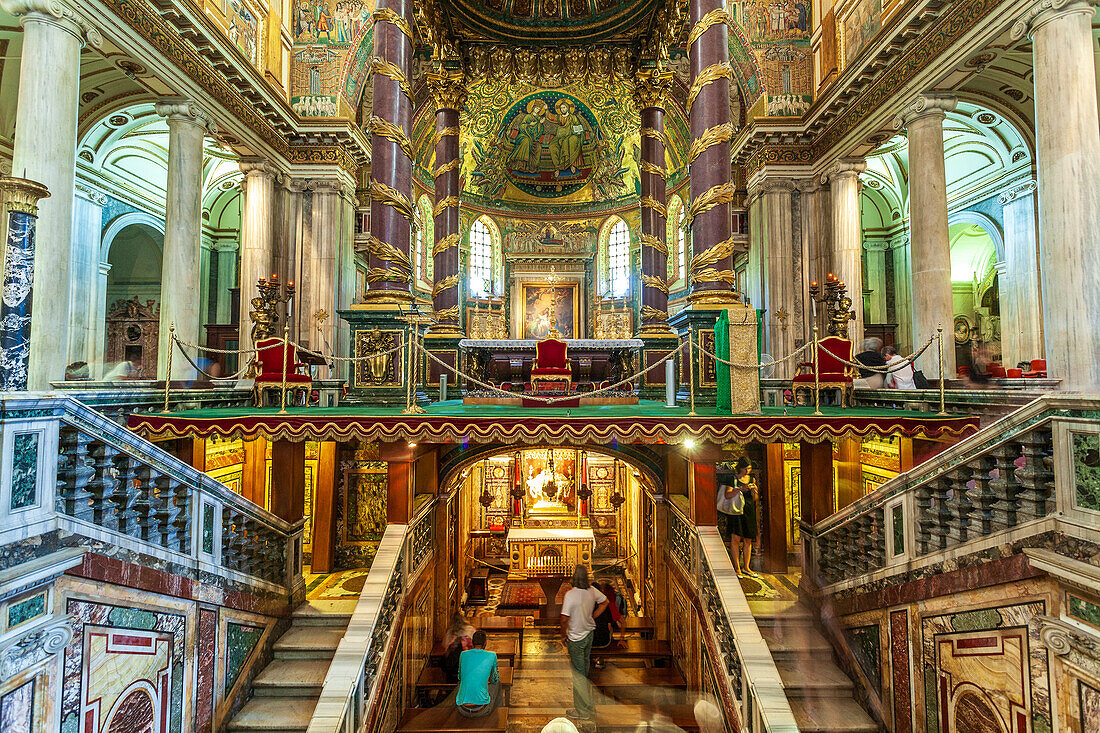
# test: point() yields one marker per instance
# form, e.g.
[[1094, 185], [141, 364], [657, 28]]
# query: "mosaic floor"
[[343, 584]]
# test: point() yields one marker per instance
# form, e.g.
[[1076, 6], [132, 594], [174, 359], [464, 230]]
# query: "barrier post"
[[691, 371], [817, 376], [286, 345], [939, 338], [168, 362]]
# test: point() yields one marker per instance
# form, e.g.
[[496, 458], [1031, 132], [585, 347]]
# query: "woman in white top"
[[900, 378]]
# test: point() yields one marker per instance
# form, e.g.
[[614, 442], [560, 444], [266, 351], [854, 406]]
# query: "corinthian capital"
[[256, 167], [929, 104], [448, 89], [844, 167], [187, 111], [1041, 12], [55, 13], [651, 88]]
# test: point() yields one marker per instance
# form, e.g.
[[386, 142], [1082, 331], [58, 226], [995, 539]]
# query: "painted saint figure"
[[565, 146], [527, 147]]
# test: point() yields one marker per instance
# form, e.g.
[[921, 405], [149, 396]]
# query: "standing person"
[[478, 680], [579, 610], [744, 526], [902, 376], [730, 506]]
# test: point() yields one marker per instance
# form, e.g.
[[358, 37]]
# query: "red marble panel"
[[899, 663], [208, 635]]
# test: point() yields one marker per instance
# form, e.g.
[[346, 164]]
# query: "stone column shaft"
[[45, 151], [930, 246], [449, 93], [848, 236], [1021, 301], [876, 279], [227, 278], [711, 273], [903, 293], [649, 94], [392, 209], [179, 290], [779, 277], [1068, 147], [19, 203], [257, 239]]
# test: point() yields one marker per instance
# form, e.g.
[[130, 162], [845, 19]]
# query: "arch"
[[987, 223], [424, 238], [136, 706], [126, 220], [677, 241]]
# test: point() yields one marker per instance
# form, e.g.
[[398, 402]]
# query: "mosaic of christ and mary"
[[550, 138]]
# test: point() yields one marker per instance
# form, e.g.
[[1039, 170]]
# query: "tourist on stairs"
[[579, 610], [610, 619], [478, 681], [744, 524]]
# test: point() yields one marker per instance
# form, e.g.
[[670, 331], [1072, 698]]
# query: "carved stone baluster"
[[102, 485], [877, 536], [74, 473], [924, 520], [959, 506], [164, 509], [145, 502], [124, 495], [943, 487], [1004, 487], [984, 497], [232, 538], [1036, 477], [181, 522]]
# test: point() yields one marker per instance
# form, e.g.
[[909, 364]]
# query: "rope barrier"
[[906, 360], [773, 362]]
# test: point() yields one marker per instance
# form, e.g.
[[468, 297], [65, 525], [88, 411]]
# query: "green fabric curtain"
[[722, 348]]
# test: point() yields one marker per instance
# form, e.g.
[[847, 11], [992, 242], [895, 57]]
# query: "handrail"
[[96, 479]]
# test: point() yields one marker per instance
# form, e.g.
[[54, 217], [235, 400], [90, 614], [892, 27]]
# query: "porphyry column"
[[45, 151], [930, 247], [712, 277], [179, 291], [1068, 149], [650, 91], [257, 239], [391, 213], [843, 179], [448, 90]]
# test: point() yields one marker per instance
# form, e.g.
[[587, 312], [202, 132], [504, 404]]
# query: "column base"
[[444, 346], [658, 343], [698, 319], [375, 327]]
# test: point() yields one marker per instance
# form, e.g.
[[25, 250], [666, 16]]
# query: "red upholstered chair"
[[1015, 373], [833, 373], [996, 371], [551, 364], [1038, 369], [270, 357]]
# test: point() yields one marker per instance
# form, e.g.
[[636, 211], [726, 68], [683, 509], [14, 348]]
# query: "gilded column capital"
[[21, 194], [930, 104], [448, 89], [844, 168], [56, 13], [184, 110], [1041, 12], [651, 88]]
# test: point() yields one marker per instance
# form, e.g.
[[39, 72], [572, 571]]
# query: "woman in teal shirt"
[[478, 681]]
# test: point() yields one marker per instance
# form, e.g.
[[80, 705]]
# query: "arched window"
[[422, 244], [677, 243], [681, 246], [481, 257], [618, 259]]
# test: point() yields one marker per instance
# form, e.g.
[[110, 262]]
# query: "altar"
[[593, 361], [549, 551]]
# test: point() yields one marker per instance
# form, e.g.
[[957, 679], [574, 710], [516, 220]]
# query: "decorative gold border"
[[574, 286]]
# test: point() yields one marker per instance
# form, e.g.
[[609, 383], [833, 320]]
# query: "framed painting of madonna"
[[540, 300]]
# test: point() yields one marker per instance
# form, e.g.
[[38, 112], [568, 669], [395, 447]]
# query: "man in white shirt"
[[901, 378], [579, 609]]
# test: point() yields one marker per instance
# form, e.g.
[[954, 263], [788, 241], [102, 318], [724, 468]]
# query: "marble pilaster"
[[847, 256], [83, 277], [314, 319], [45, 151], [930, 248], [875, 301], [1067, 134], [226, 253], [903, 293], [1021, 302], [257, 246], [19, 198], [179, 303]]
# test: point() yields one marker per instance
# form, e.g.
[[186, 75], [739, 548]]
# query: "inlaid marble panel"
[[29, 608], [899, 670], [864, 643], [240, 640], [208, 646], [17, 709], [1089, 698], [1086, 470], [24, 472]]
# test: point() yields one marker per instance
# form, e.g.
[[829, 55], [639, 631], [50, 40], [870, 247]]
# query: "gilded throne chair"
[[833, 373], [551, 365], [271, 356]]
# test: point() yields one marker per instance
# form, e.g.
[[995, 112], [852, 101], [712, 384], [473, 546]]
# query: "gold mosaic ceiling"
[[549, 21]]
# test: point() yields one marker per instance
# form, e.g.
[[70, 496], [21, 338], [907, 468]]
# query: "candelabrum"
[[263, 314], [552, 281], [833, 294]]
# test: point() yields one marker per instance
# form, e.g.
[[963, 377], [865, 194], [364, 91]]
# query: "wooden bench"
[[505, 648], [432, 686], [627, 717], [642, 626], [649, 649], [446, 719], [641, 685], [502, 625]]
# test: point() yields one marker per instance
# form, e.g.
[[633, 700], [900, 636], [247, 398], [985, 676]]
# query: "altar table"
[[510, 360], [550, 551]]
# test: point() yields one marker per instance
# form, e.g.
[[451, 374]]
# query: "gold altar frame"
[[574, 294]]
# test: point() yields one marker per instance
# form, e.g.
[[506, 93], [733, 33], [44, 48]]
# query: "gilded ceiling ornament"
[[653, 242], [451, 165], [713, 255], [599, 61], [653, 168], [451, 202], [379, 65], [389, 253], [652, 281], [451, 281], [648, 202], [649, 313], [391, 132], [448, 89], [451, 240], [392, 197], [651, 88], [714, 136], [575, 64], [709, 75], [713, 18], [388, 16], [718, 195]]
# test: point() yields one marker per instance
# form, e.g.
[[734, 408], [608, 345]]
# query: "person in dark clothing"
[[871, 356], [607, 622], [456, 640], [744, 524]]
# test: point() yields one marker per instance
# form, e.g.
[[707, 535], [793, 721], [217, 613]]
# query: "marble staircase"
[[285, 693], [819, 692]]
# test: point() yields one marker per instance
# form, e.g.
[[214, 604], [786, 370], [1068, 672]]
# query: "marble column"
[[45, 151], [257, 237], [449, 93], [83, 276], [711, 271], [650, 91], [179, 290], [875, 305], [1021, 301], [1067, 135], [226, 252], [391, 213], [847, 258], [930, 246], [903, 293], [19, 198], [779, 278], [315, 318]]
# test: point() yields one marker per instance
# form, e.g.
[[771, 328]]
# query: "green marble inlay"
[[1084, 610], [26, 609], [931, 701], [864, 643], [897, 517], [208, 529], [988, 618], [1086, 469], [24, 471], [240, 640], [132, 618]]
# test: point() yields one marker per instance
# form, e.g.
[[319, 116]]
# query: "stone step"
[[771, 613], [289, 715], [308, 642], [291, 678], [832, 715], [787, 641], [803, 678], [324, 613]]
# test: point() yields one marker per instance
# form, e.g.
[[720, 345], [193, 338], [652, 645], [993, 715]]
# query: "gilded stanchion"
[[817, 377], [408, 377], [286, 345], [939, 338], [168, 365], [691, 371]]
